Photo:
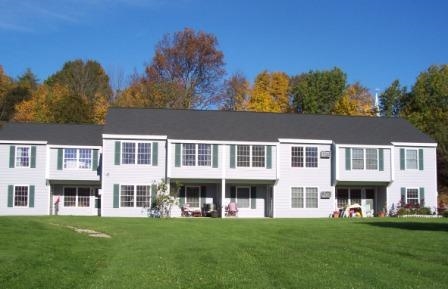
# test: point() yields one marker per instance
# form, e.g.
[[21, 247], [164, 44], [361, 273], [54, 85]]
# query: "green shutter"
[[269, 157], [402, 160], [232, 193], [60, 159], [95, 160], [117, 153], [232, 156], [116, 196], [10, 196], [403, 196], [420, 159], [33, 157], [348, 159], [253, 197], [177, 155], [155, 153], [31, 197], [215, 156], [203, 196], [181, 196], [381, 159], [153, 194], [12, 156], [422, 197]]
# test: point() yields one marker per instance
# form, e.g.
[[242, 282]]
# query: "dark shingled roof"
[[252, 126], [57, 134]]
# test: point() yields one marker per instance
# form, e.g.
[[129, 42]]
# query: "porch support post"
[[223, 197]]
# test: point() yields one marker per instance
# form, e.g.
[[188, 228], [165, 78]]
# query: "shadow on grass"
[[414, 226]]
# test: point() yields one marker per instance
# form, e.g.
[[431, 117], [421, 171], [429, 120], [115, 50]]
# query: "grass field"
[[40, 252]]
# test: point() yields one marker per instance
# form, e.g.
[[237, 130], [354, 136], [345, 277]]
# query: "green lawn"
[[40, 252]]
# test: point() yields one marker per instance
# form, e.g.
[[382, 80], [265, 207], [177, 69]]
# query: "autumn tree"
[[186, 70], [6, 85], [270, 92], [236, 93], [355, 100], [426, 106], [390, 100], [317, 91]]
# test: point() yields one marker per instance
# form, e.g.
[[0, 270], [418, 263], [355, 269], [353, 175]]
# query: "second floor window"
[[243, 156], [136, 153], [77, 158], [364, 159], [258, 156], [411, 159], [23, 157], [188, 154], [204, 155], [304, 157]]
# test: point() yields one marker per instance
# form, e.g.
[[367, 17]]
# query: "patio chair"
[[186, 211], [232, 209]]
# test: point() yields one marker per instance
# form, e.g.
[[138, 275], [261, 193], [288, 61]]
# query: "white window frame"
[[377, 159], [136, 143], [27, 196], [16, 156], [249, 198], [418, 195], [416, 158], [305, 156], [76, 196], [303, 198], [357, 159], [304, 192], [252, 156], [251, 164], [196, 155], [134, 190], [77, 159], [208, 160], [199, 196]]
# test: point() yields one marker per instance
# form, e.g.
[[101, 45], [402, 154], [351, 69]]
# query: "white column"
[[223, 197]]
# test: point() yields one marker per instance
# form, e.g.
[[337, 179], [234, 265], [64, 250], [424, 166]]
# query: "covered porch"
[[371, 196], [211, 198]]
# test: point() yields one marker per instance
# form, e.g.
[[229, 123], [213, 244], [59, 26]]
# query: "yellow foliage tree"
[[270, 93], [356, 100], [100, 108]]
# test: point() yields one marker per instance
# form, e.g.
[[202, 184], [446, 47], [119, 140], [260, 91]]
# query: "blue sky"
[[373, 41]]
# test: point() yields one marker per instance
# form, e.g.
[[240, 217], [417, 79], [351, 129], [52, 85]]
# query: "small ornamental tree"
[[164, 200]]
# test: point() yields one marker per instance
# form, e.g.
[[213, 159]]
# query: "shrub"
[[445, 214]]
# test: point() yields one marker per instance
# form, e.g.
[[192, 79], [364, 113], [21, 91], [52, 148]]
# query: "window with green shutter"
[[177, 155], [116, 196], [269, 157], [12, 156], [117, 153], [155, 153], [33, 157], [31, 197], [95, 160], [348, 159], [60, 159], [215, 156], [420, 159], [232, 156]]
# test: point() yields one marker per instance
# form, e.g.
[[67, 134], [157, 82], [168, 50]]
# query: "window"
[[258, 156], [342, 198], [297, 157], [83, 197], [311, 197], [297, 198], [144, 153], [136, 153], [127, 196], [69, 197], [358, 159], [311, 157], [243, 156], [143, 196], [77, 158], [188, 154], [21, 196], [76, 197], [192, 196], [411, 159], [243, 197], [22, 157], [355, 196], [204, 155], [412, 196], [371, 159], [128, 153]]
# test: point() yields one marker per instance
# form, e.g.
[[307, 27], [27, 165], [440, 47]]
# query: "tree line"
[[187, 71]]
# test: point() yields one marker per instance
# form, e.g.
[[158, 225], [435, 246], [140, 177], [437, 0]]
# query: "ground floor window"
[[21, 196], [243, 197], [76, 197], [351, 196], [192, 195], [412, 196], [304, 197], [135, 196]]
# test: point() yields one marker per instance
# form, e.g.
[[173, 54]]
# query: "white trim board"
[[134, 136]]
